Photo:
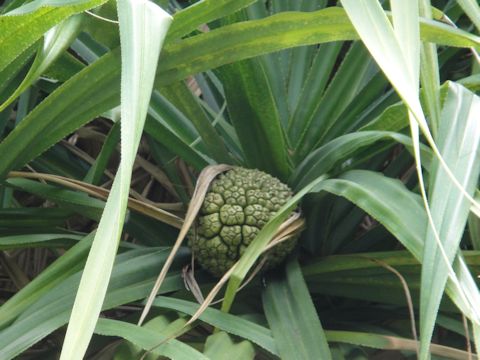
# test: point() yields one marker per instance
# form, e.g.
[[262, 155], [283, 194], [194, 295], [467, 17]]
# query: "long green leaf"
[[148, 339], [393, 118], [301, 59], [459, 143], [192, 17], [429, 74], [23, 26], [55, 42], [254, 114], [316, 82], [32, 218], [292, 317], [308, 132], [373, 96], [32, 240], [12, 75], [271, 63], [79, 202], [472, 10], [227, 322], [143, 27], [96, 171]]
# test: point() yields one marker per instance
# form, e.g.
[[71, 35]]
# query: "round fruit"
[[239, 203]]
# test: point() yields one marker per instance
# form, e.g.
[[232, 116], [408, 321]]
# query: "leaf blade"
[[37, 17], [148, 339], [458, 142], [292, 317], [254, 114], [139, 22]]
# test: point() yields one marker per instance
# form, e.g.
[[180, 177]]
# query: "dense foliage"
[[111, 128]]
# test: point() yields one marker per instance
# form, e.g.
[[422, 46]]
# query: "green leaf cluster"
[[368, 110]]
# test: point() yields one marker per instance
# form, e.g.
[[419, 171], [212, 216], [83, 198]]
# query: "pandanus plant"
[[321, 159]]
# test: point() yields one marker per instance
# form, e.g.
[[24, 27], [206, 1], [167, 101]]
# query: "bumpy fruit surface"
[[239, 203]]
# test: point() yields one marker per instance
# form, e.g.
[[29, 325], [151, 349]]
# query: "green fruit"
[[239, 203]]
